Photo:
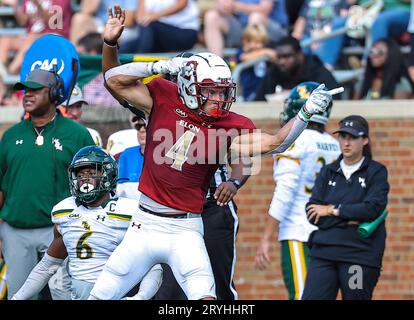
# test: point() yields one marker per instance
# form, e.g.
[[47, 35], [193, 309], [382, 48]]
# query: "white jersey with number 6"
[[295, 172], [91, 235]]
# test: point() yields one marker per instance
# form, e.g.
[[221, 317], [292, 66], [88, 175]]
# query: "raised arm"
[[123, 81]]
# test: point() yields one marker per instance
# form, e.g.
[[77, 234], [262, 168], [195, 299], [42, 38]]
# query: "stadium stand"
[[8, 25]]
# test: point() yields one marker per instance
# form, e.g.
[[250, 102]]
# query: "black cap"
[[37, 79], [355, 125]]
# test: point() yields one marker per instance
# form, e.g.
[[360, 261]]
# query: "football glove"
[[317, 102], [171, 66]]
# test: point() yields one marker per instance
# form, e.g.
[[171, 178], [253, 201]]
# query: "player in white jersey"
[[89, 226], [295, 171]]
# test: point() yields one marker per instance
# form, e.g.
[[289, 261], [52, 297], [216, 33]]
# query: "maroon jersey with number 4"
[[183, 150]]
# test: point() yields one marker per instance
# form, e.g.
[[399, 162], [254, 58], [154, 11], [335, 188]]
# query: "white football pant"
[[150, 240]]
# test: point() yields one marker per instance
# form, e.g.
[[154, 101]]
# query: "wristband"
[[150, 68], [235, 182], [111, 44], [304, 114]]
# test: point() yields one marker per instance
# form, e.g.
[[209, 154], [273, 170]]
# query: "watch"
[[236, 182]]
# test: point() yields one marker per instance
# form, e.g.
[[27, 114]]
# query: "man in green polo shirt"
[[34, 157]]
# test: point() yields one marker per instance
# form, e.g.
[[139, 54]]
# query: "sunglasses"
[[138, 126], [377, 52], [286, 55]]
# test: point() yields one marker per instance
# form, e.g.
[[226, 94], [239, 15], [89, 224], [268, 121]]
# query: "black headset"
[[56, 90]]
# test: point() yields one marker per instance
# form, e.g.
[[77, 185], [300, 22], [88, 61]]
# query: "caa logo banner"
[[48, 65], [50, 50]]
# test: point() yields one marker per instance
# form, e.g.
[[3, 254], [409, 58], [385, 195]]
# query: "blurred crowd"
[[256, 34]]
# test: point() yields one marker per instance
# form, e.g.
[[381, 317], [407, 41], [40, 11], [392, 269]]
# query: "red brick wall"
[[393, 145]]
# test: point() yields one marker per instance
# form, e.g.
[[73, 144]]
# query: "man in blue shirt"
[[130, 163]]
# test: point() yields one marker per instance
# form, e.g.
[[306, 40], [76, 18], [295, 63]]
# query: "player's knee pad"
[[106, 288], [121, 262], [117, 267]]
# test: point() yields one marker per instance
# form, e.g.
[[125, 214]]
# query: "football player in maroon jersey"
[[190, 129]]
